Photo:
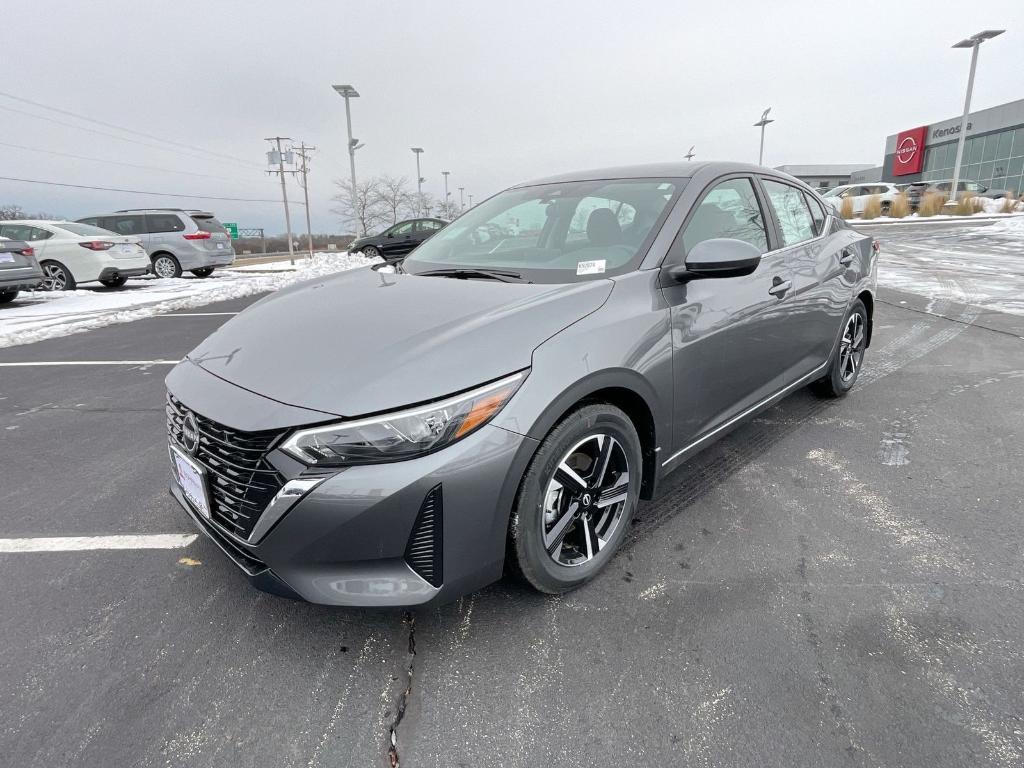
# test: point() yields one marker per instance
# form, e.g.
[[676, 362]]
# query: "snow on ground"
[[991, 209], [981, 265], [38, 315]]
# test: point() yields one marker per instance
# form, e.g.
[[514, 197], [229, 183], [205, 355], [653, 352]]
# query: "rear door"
[[131, 224], [424, 229], [164, 231], [729, 335], [818, 256]]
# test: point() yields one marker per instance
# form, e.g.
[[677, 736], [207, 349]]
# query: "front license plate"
[[192, 479]]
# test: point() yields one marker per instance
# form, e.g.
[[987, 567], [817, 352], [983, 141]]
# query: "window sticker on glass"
[[595, 267]]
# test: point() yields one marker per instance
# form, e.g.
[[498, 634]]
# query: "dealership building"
[[993, 152]]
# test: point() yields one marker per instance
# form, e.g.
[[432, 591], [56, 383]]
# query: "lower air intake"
[[423, 552]]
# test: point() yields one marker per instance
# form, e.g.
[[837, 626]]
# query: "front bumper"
[[358, 538]]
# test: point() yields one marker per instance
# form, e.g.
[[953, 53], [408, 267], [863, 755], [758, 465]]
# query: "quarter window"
[[791, 211], [729, 210]]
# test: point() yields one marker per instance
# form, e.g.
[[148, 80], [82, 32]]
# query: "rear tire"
[[846, 363], [202, 271], [6, 297], [57, 277], [576, 499], [166, 266], [115, 282]]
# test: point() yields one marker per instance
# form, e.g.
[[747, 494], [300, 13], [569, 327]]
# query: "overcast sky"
[[494, 92]]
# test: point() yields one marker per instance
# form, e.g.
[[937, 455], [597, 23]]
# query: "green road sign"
[[232, 228]]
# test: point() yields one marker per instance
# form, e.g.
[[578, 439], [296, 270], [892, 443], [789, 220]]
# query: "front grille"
[[241, 481], [423, 553]]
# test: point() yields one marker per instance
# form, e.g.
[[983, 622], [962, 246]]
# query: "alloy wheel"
[[371, 252], [585, 500], [851, 348], [164, 266], [54, 277]]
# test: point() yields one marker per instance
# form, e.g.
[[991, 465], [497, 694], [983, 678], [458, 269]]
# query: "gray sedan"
[[517, 395], [19, 269]]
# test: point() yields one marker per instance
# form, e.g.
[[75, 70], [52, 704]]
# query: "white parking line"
[[89, 362], [80, 543], [198, 314]]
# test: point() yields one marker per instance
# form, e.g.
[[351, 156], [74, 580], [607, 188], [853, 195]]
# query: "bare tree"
[[426, 204], [359, 207], [449, 211], [12, 212], [395, 197]]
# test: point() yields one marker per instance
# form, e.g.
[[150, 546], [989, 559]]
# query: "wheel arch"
[[869, 304]]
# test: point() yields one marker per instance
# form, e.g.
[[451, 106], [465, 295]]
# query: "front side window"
[[791, 211], [164, 222], [729, 210], [554, 233]]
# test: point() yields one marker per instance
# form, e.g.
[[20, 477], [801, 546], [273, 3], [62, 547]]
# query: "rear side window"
[[791, 211], [817, 215], [427, 225], [164, 222], [134, 224], [730, 210], [208, 224]]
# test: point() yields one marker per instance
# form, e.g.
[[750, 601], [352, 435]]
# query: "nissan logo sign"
[[907, 150], [189, 433]]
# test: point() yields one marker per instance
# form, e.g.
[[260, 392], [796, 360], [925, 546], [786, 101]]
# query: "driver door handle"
[[779, 287], [846, 259]]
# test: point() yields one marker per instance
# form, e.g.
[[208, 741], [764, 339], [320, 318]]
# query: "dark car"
[[19, 269], [916, 191], [519, 395], [397, 240]]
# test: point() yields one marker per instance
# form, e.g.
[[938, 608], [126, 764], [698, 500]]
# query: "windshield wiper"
[[492, 274]]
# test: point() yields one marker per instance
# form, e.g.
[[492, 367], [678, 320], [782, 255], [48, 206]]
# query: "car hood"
[[363, 341]]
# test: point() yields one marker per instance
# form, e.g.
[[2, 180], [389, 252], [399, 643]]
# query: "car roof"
[[672, 170], [36, 222]]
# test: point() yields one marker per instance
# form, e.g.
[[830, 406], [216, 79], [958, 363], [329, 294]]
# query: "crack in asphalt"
[[403, 700]]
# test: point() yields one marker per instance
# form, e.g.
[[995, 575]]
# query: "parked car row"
[[111, 248], [860, 194]]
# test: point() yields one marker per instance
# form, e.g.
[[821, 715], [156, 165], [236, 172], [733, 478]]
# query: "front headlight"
[[403, 434]]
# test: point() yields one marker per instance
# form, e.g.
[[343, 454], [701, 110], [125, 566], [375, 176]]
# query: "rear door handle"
[[779, 287], [847, 258]]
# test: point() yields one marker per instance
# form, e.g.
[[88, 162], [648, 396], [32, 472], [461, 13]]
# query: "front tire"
[[849, 356], [576, 499], [166, 266], [115, 282], [57, 277], [202, 271], [371, 252]]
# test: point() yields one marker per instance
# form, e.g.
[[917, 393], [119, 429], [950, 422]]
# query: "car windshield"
[[84, 230], [554, 233]]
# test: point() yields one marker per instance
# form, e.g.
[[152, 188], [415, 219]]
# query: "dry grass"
[[967, 204], [931, 204], [872, 208], [1009, 204], [846, 208], [900, 206]]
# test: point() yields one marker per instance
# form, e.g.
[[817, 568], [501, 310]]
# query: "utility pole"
[[462, 199], [304, 173], [276, 156], [419, 181]]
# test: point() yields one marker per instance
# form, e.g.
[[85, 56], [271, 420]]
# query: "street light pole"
[[445, 174], [419, 181], [973, 42], [462, 198], [689, 155], [763, 122], [470, 201], [348, 92]]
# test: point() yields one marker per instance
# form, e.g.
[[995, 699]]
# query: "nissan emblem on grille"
[[189, 433]]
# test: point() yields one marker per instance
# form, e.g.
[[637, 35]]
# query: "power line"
[[120, 128], [119, 162], [141, 192], [110, 135]]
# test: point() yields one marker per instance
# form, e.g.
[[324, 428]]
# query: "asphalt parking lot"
[[835, 583]]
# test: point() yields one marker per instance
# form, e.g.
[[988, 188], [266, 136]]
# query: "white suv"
[[860, 194]]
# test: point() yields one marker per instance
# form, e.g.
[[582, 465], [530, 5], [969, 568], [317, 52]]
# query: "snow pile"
[[38, 315]]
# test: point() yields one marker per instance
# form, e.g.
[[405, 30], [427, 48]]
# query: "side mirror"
[[718, 257]]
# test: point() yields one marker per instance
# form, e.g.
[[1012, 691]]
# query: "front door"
[[398, 240], [728, 334]]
